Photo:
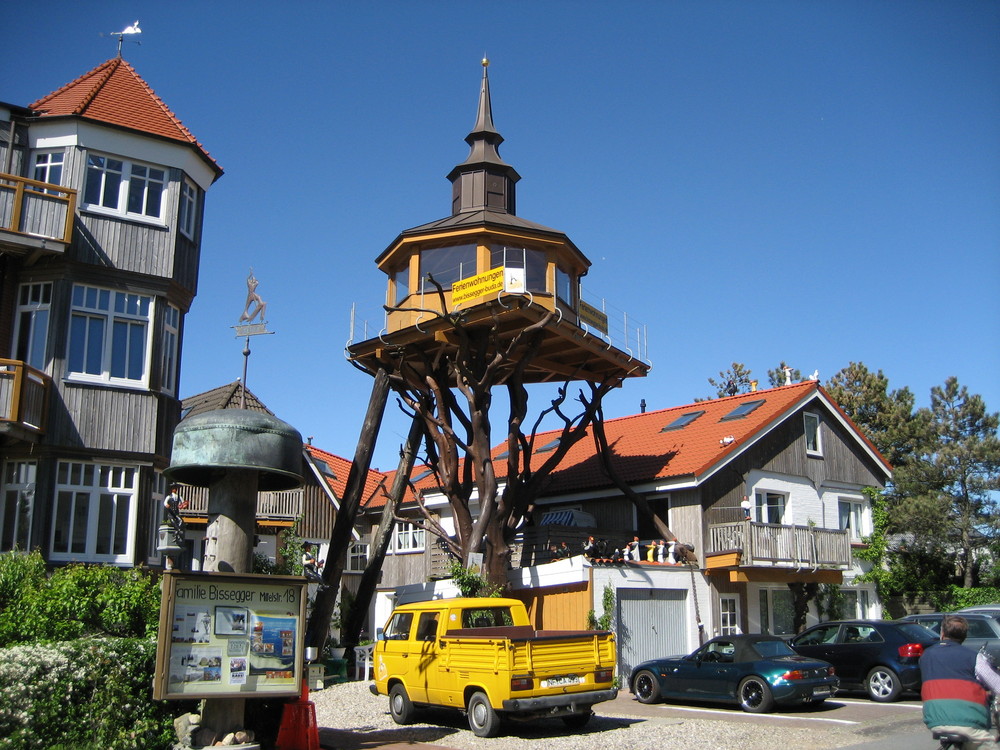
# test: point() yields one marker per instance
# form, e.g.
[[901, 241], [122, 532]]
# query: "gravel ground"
[[350, 717]]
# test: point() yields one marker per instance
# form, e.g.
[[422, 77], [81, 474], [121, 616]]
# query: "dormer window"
[[447, 265], [121, 187]]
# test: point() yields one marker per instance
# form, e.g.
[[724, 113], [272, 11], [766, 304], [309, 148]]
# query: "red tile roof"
[[644, 452], [115, 94], [339, 468]]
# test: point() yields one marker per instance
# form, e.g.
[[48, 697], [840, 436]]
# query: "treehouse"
[[484, 271]]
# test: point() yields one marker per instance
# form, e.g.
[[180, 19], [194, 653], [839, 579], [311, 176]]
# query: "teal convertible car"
[[754, 671]]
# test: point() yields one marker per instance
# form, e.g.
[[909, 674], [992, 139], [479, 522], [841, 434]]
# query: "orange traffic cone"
[[298, 730]]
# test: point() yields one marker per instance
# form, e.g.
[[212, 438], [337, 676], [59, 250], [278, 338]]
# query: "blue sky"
[[815, 182]]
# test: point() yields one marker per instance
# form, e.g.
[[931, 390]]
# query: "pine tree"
[[961, 470]]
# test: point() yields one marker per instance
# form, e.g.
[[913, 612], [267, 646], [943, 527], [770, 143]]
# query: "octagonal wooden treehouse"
[[484, 267]]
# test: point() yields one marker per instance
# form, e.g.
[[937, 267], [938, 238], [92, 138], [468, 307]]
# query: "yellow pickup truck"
[[482, 656]]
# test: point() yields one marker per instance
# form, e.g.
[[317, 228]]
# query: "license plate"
[[570, 679], [821, 691]]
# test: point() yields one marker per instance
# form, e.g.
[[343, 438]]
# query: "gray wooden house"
[[102, 195], [790, 453]]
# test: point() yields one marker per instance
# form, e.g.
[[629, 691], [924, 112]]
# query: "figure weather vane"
[[255, 307], [127, 31]]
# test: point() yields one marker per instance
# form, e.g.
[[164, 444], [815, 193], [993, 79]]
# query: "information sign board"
[[228, 635]]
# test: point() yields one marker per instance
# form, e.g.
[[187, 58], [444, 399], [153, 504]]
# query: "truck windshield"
[[487, 617]]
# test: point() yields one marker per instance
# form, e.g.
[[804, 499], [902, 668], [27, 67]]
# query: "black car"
[[877, 656], [984, 629]]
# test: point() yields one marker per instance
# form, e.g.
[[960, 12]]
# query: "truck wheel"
[[400, 707], [483, 720], [577, 721]]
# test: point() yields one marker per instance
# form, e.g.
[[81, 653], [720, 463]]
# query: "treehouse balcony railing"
[[768, 544], [33, 212], [24, 395], [285, 505], [595, 316]]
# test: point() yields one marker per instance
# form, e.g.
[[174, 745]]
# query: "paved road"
[[877, 726]]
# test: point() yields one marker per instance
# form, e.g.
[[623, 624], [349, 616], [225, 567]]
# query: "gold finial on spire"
[[486, 61]]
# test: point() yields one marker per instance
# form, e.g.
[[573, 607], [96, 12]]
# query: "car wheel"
[[882, 685], [400, 707], [646, 687], [483, 720], [755, 696], [577, 721]]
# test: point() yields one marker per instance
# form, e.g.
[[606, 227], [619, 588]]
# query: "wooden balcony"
[[750, 551], [271, 506], [35, 217], [24, 400]]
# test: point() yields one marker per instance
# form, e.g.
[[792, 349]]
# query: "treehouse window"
[[446, 265], [532, 261]]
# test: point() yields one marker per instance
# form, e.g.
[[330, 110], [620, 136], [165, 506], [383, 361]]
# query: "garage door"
[[651, 623]]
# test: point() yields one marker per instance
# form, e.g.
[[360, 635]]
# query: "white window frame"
[[96, 310], [17, 500], [95, 503], [856, 519], [357, 558], [169, 347], [729, 614], [407, 538], [121, 183], [31, 331], [813, 434], [187, 211], [48, 166], [763, 508]]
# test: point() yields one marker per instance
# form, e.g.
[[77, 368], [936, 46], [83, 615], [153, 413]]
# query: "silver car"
[[984, 629]]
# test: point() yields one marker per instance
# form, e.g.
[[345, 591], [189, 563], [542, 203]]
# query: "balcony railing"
[[36, 209], [24, 395], [781, 546], [285, 505]]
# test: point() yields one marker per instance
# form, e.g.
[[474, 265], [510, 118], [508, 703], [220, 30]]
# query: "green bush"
[[87, 693], [74, 601]]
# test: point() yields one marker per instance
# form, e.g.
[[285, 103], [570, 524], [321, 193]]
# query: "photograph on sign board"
[[230, 620]]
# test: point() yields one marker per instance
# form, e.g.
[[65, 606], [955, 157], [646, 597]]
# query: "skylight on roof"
[[325, 469], [743, 409], [421, 475], [548, 446], [683, 420]]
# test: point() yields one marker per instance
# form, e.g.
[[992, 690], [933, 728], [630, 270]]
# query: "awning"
[[567, 518]]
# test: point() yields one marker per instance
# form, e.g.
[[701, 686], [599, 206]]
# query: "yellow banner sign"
[[482, 284], [593, 317]]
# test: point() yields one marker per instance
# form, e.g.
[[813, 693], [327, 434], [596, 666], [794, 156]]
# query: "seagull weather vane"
[[254, 308]]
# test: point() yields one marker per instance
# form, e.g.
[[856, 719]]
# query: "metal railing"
[[36, 209], [24, 395], [782, 546]]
